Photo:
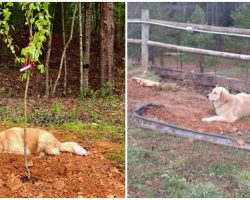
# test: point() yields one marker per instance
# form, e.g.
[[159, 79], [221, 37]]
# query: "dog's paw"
[[79, 150]]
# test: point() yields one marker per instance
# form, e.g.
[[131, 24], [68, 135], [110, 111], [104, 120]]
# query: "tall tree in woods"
[[87, 42], [64, 51], [81, 49], [199, 40], [48, 56], [85, 61], [107, 44], [65, 58]]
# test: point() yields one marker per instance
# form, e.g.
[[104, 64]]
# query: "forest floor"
[[160, 165], [96, 124]]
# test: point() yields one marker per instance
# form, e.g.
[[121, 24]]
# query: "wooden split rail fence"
[[145, 43]]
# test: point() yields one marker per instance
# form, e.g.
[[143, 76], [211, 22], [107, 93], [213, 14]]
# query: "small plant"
[[104, 91], [57, 107], [118, 155], [2, 90], [1, 112], [86, 92]]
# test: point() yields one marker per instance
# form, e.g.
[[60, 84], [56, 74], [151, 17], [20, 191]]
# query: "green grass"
[[118, 155], [181, 169], [242, 181], [220, 168], [180, 188]]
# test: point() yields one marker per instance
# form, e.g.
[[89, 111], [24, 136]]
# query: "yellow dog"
[[228, 107], [12, 141]]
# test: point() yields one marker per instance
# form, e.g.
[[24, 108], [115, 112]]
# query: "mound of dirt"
[[185, 108], [66, 175]]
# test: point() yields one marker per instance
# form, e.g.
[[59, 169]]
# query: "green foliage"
[[1, 112], [236, 44], [38, 19], [86, 92], [5, 27], [119, 19], [198, 40], [2, 90], [105, 90], [57, 107]]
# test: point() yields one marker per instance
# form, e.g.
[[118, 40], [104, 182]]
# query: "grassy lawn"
[[100, 118], [160, 165]]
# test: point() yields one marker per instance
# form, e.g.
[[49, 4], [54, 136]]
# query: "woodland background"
[[80, 96], [99, 13]]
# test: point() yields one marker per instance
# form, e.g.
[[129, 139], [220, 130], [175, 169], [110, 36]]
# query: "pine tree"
[[199, 40], [236, 44]]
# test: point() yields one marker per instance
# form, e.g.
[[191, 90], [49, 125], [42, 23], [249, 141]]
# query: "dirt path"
[[66, 175]]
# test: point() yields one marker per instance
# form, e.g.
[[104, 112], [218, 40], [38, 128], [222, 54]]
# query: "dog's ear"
[[224, 96]]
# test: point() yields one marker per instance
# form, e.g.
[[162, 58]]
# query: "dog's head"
[[219, 94]]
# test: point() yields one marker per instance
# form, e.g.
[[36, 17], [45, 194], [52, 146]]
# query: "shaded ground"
[[160, 165], [66, 175]]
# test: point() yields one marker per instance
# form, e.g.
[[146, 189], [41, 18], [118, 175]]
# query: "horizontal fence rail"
[[193, 50], [219, 30], [145, 42]]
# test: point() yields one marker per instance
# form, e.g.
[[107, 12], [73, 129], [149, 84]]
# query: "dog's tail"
[[72, 147]]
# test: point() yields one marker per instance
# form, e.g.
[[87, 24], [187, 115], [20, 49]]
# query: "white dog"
[[228, 107], [12, 141]]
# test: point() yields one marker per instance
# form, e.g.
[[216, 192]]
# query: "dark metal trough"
[[170, 129]]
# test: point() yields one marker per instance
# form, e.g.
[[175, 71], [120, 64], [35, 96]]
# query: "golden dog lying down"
[[228, 107], [11, 141]]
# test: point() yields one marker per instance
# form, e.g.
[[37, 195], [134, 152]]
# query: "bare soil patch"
[[66, 175], [185, 108]]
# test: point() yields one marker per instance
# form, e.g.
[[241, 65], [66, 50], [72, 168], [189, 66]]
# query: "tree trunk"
[[48, 56], [65, 58], [64, 51], [107, 44], [81, 48], [86, 65], [25, 127], [25, 109]]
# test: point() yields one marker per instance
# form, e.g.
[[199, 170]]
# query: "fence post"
[[144, 37]]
